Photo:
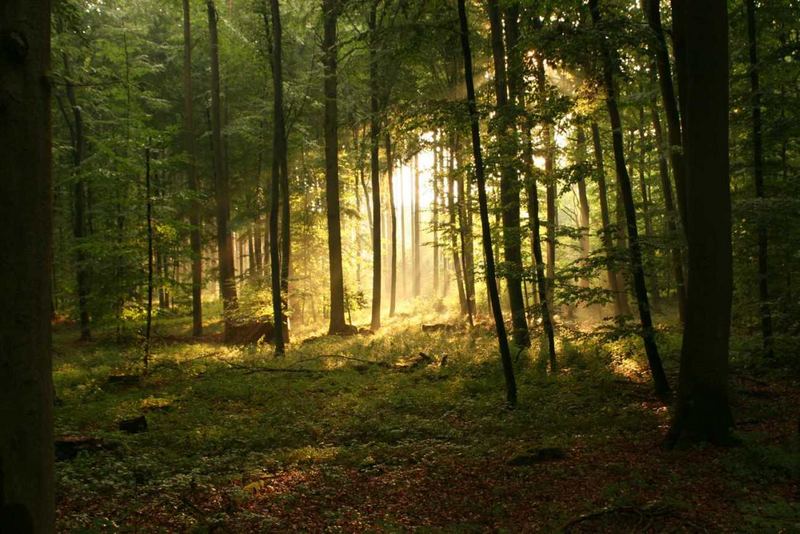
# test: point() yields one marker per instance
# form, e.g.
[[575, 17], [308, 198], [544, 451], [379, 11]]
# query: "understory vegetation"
[[362, 434]]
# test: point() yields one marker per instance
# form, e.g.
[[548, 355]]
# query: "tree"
[[624, 185], [375, 175], [491, 280], [279, 183], [27, 496], [702, 411], [758, 180], [516, 86], [227, 279], [393, 217], [509, 183], [329, 50], [191, 177]]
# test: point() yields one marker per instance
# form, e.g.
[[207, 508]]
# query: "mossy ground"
[[352, 446]]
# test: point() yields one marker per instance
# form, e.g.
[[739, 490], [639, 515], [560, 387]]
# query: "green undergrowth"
[[224, 417]]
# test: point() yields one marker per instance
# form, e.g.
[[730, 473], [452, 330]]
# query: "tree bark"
[[758, 180], [516, 85], [580, 150], [193, 184], [227, 280], [149, 216], [27, 497], [330, 50], [374, 138], [669, 100], [620, 301], [491, 281], [79, 203], [393, 216], [624, 182], [671, 216], [702, 410], [509, 183]]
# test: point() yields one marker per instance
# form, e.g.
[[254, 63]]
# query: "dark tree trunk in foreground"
[[191, 178], [375, 175], [491, 281], [758, 178], [702, 411], [329, 50], [26, 389], [227, 280], [624, 182], [393, 217], [509, 184], [279, 273]]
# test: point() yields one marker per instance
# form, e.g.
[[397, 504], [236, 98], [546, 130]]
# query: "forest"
[[399, 265]]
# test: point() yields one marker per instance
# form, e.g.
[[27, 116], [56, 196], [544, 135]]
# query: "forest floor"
[[341, 436]]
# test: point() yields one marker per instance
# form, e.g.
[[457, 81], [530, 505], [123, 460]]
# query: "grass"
[[351, 446]]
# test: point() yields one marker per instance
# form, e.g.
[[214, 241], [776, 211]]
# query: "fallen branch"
[[343, 357]]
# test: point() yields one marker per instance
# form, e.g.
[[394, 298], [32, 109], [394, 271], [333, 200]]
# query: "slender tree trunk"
[[227, 280], [279, 155], [435, 215], [648, 334], [26, 389], [668, 99], [509, 184], [403, 268], [702, 410], [517, 92], [79, 204], [620, 301], [648, 218], [491, 281], [195, 222], [465, 234], [149, 204], [451, 211], [671, 216], [584, 202], [374, 138], [758, 179], [415, 231], [393, 214]]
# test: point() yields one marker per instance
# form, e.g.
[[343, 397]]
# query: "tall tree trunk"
[[403, 268], [584, 202], [374, 138], [435, 215], [79, 203], [623, 179], [702, 410], [149, 210], [509, 184], [465, 234], [620, 300], [668, 99], [671, 216], [393, 215], [491, 281], [758, 179], [26, 389], [279, 153], [516, 85], [451, 212], [646, 214], [227, 280], [415, 283], [193, 184]]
